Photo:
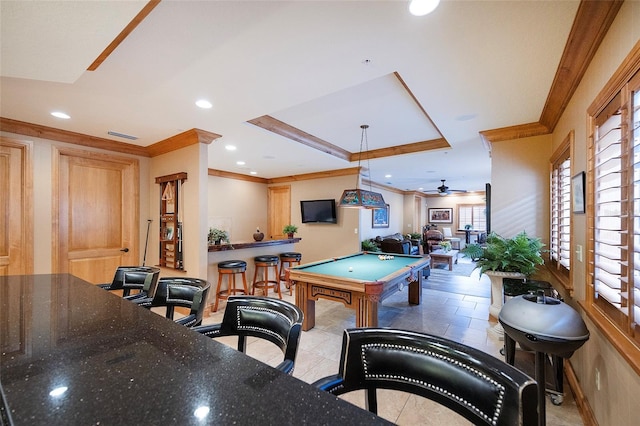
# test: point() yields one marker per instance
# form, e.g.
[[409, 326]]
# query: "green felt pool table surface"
[[366, 266]]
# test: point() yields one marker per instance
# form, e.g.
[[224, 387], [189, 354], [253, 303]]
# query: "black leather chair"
[[142, 279], [275, 320], [472, 383], [175, 292]]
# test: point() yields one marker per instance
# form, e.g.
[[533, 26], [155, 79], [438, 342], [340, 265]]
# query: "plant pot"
[[497, 296], [216, 242], [290, 235], [258, 236]]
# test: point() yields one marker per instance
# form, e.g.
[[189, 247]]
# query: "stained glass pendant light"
[[361, 198]]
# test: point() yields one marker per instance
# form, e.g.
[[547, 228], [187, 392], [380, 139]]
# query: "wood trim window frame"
[[617, 320], [473, 208], [560, 169]]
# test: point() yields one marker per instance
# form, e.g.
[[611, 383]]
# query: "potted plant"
[[289, 230], [517, 257], [216, 235], [368, 245], [521, 254], [473, 251]]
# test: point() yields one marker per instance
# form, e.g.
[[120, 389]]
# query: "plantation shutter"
[[635, 138], [611, 214], [560, 239]]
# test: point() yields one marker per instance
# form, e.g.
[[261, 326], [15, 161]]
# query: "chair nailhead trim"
[[501, 390], [261, 329]]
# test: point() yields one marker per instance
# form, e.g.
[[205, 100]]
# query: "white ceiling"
[[324, 67]]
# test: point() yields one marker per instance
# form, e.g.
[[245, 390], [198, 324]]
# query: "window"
[[560, 226], [613, 200], [474, 215]]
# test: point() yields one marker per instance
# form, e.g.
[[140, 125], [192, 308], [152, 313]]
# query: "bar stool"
[[289, 258], [230, 268], [262, 264]]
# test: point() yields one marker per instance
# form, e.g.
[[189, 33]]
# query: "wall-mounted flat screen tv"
[[318, 211]]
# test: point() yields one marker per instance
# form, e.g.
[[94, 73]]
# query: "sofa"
[[397, 243]]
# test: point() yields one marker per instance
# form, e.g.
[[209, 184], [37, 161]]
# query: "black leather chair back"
[[144, 279], [474, 384], [175, 292], [275, 320]]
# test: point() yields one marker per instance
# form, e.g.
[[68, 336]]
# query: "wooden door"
[[97, 214], [16, 208], [279, 210]]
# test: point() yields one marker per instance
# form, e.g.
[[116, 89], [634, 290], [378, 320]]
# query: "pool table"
[[360, 281]]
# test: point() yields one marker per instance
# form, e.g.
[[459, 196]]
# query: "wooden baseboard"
[[584, 408]]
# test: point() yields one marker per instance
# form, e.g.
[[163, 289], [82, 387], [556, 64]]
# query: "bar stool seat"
[[262, 264], [230, 268], [289, 258]]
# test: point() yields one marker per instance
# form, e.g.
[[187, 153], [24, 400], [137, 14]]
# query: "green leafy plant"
[[472, 251], [521, 254], [216, 234], [445, 245], [368, 245], [415, 235], [290, 229]]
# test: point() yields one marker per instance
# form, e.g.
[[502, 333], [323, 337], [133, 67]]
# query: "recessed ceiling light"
[[203, 103], [240, 163], [230, 147], [253, 173], [387, 176], [422, 7], [60, 114]]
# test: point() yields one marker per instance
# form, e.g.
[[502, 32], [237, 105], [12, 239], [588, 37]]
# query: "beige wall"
[[236, 206], [193, 213], [520, 187], [323, 240], [452, 201], [615, 402]]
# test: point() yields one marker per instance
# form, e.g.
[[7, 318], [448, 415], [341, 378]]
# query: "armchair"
[[432, 240]]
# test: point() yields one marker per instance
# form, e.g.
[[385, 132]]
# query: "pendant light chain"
[[364, 128]]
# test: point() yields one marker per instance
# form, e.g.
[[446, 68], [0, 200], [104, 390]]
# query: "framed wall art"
[[577, 193], [441, 215], [380, 218]]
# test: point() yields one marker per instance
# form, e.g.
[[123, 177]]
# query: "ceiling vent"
[[122, 135]]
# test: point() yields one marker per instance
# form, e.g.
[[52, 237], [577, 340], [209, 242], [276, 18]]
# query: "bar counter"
[[244, 251], [252, 244], [73, 353]]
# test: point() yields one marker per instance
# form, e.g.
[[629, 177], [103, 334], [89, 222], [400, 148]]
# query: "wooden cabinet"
[[170, 220]]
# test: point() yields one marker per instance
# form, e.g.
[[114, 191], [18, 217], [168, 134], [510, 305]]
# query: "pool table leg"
[[366, 312], [306, 304], [415, 290]]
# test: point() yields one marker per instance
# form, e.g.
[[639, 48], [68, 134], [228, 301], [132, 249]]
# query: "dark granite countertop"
[[113, 362], [251, 244]]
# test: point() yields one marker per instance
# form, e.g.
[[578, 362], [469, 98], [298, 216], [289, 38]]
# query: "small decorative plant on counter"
[[289, 230], [445, 245], [216, 235]]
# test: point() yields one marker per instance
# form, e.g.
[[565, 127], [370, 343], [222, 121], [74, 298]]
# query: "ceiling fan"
[[444, 189]]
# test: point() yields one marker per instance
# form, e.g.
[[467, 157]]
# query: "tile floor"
[[455, 314]]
